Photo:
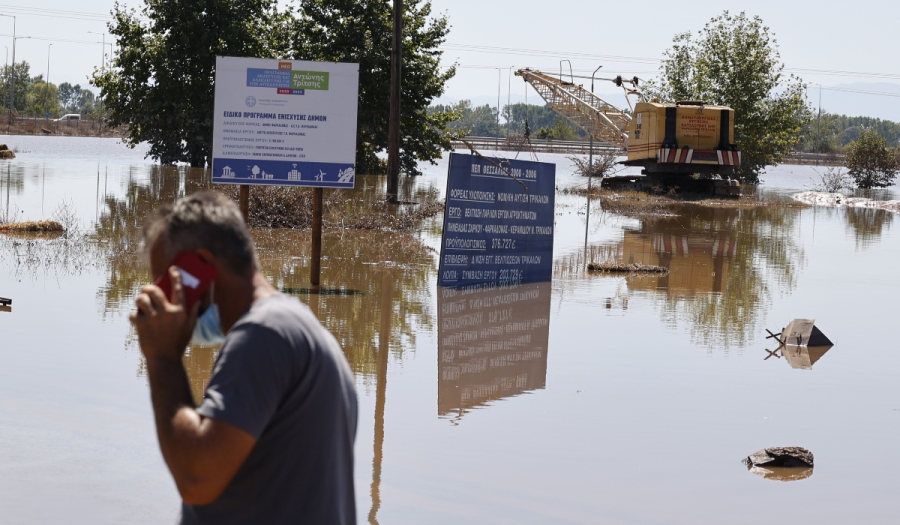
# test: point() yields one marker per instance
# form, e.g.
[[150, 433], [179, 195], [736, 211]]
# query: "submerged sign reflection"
[[492, 343]]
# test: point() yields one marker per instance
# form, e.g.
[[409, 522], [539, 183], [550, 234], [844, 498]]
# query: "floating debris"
[[801, 332], [801, 343], [614, 267], [780, 457], [32, 226], [838, 200]]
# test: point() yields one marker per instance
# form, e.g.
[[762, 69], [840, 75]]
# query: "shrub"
[[870, 163]]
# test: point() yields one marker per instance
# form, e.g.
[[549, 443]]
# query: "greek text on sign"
[[285, 122], [498, 222]]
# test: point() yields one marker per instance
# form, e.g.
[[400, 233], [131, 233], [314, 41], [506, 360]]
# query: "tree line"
[[832, 133], [35, 97], [482, 121], [160, 84]]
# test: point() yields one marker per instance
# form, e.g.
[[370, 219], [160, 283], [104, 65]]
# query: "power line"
[[863, 92], [59, 13], [50, 39], [643, 60], [55, 13]]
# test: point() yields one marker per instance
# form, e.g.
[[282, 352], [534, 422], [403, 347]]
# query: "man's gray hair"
[[206, 219]]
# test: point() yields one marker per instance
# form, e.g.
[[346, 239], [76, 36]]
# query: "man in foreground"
[[272, 440]]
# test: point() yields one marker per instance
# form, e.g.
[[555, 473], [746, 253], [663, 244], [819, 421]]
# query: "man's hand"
[[164, 325]]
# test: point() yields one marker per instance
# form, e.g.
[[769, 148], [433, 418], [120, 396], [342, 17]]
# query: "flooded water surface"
[[596, 398]]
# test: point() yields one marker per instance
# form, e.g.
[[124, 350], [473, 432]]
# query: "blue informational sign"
[[498, 221], [280, 173]]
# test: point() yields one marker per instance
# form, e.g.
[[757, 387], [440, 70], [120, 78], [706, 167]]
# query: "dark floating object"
[[801, 343], [614, 267], [792, 457], [5, 302], [801, 332], [321, 291], [6, 153]]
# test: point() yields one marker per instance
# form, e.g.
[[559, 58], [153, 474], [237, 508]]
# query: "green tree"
[[560, 130], [734, 61], [538, 117], [21, 72], [870, 163], [478, 121], [361, 31], [76, 99], [821, 133], [42, 98], [160, 85]]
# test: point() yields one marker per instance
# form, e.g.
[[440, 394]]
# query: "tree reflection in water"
[[354, 264], [867, 224], [725, 266]]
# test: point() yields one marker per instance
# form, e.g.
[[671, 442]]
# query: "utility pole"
[[47, 94], [394, 121], [508, 99], [102, 69], [499, 78], [818, 124], [587, 220], [12, 89]]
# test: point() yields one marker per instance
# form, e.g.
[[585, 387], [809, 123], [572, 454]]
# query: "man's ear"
[[207, 257]]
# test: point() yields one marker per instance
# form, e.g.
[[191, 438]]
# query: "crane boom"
[[582, 108]]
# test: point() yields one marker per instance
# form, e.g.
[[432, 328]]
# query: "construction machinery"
[[672, 143]]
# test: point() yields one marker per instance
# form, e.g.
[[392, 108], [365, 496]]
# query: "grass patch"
[[286, 207], [32, 226], [640, 204], [615, 267]]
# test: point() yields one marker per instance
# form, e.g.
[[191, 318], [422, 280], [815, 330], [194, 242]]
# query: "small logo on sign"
[[285, 66], [250, 101]]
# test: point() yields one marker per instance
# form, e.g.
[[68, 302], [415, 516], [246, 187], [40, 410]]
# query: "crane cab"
[[685, 138]]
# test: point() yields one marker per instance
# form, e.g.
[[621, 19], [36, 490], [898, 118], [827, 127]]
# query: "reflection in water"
[[351, 267], [802, 357], [725, 265], [868, 224], [384, 337], [783, 473], [492, 343]]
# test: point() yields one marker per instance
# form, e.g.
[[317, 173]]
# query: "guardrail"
[[518, 143]]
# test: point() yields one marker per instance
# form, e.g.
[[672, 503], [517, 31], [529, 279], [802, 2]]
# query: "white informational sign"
[[285, 122]]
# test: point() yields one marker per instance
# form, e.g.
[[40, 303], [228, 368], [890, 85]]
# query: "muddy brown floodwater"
[[592, 399]]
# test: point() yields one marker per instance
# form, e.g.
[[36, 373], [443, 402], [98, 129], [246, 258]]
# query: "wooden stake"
[[394, 116], [315, 266], [244, 202]]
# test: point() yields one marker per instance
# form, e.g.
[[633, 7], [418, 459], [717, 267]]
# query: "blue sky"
[[854, 45]]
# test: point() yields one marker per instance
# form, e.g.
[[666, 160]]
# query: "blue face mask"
[[208, 330]]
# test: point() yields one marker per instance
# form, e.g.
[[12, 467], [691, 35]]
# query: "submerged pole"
[[244, 202], [394, 120], [315, 266], [587, 221]]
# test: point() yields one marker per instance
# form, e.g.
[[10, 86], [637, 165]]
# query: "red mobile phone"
[[196, 277]]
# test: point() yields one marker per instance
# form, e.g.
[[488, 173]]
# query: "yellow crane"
[[671, 142], [584, 109]]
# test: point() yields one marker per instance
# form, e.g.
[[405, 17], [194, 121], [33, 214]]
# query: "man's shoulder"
[[278, 312], [281, 320]]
